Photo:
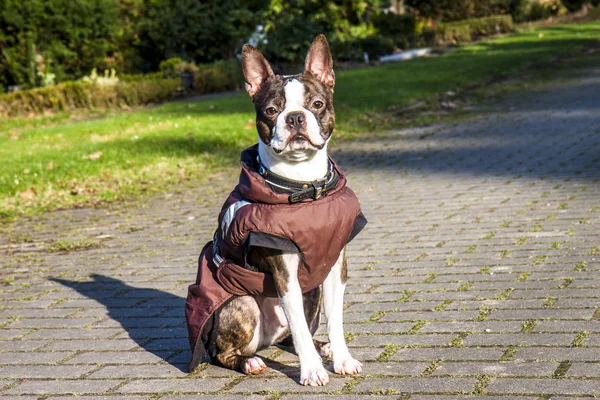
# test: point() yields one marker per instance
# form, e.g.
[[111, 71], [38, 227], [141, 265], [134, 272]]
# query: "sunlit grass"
[[56, 162]]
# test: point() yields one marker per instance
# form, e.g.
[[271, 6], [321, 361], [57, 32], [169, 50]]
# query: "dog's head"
[[294, 113]]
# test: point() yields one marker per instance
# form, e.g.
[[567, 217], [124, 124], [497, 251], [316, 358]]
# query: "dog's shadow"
[[154, 319]]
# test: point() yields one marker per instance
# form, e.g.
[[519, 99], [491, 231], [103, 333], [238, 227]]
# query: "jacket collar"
[[259, 184]]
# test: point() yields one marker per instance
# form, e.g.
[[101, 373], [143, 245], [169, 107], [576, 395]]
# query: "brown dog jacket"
[[258, 213]]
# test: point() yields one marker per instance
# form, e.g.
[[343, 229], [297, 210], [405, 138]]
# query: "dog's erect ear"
[[256, 69], [318, 61]]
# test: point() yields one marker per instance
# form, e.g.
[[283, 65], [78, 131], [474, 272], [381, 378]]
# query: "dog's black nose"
[[295, 119]]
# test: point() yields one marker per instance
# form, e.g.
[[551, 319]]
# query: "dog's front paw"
[[253, 366], [314, 376], [347, 366]]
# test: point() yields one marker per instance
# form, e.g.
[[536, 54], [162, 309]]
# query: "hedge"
[[78, 95], [469, 29], [219, 76], [132, 90]]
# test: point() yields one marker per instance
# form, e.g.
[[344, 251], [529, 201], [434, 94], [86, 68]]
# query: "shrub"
[[169, 67], [80, 95], [354, 49], [467, 30], [574, 5], [390, 24], [542, 9], [219, 76]]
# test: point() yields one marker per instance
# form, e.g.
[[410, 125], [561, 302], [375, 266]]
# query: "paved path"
[[478, 274]]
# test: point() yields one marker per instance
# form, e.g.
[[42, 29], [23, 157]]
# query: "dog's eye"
[[271, 111], [318, 104]]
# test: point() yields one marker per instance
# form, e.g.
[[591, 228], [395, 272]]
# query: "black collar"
[[300, 190]]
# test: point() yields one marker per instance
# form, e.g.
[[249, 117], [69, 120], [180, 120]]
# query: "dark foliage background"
[[68, 38]]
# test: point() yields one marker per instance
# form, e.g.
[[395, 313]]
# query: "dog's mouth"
[[299, 141]]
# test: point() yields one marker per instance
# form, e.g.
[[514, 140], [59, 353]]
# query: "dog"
[[278, 254]]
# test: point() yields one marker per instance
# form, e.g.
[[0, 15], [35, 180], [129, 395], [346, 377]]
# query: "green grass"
[[46, 164]]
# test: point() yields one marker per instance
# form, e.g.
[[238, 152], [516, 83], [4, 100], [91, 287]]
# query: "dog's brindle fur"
[[239, 335]]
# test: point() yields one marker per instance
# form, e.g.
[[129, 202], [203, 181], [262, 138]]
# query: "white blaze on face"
[[295, 93]]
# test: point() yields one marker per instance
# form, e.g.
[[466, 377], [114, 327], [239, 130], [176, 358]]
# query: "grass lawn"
[[56, 162]]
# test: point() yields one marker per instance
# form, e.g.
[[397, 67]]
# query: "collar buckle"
[[317, 190]]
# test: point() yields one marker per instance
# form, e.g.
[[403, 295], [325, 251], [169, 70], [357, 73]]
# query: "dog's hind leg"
[[333, 304], [239, 336]]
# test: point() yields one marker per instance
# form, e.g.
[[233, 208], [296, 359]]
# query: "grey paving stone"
[[109, 397], [381, 327], [592, 340], [63, 387], [53, 323], [32, 358], [496, 213], [112, 357], [92, 345], [43, 371], [528, 339], [402, 340], [338, 396], [91, 333], [588, 370], [506, 315], [558, 353], [517, 369], [417, 385], [394, 368], [457, 354], [543, 386], [152, 386], [215, 397], [567, 326], [139, 371], [430, 316], [442, 397], [21, 345], [285, 384], [6, 334], [483, 326]]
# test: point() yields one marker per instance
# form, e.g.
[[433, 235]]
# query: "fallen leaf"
[[249, 125], [93, 156], [50, 165], [28, 193]]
